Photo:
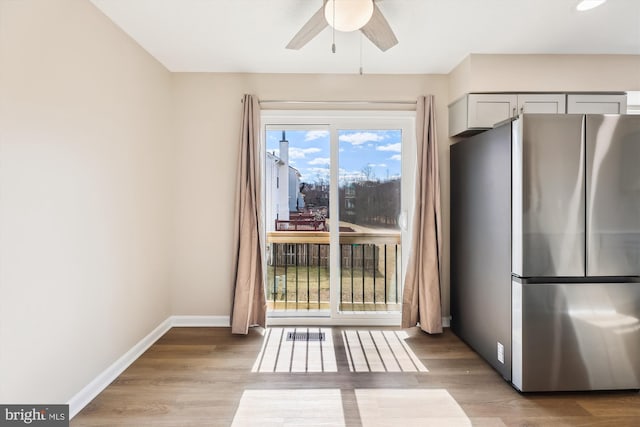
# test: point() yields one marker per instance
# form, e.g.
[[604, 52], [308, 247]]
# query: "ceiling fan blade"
[[311, 29], [379, 31]]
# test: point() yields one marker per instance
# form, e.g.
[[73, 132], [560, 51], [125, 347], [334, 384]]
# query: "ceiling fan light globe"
[[350, 15]]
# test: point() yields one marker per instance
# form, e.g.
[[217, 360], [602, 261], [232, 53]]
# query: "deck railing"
[[301, 222], [298, 266]]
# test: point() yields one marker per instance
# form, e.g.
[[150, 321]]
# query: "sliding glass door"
[[337, 190]]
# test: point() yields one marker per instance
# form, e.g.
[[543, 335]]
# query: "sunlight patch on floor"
[[409, 408], [279, 355], [380, 351], [267, 408], [324, 407]]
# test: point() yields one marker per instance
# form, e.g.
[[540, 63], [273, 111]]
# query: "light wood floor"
[[203, 377]]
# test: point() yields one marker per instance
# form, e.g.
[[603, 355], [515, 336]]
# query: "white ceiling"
[[434, 35]]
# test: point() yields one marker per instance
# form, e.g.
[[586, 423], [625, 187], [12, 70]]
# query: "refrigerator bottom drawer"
[[575, 336]]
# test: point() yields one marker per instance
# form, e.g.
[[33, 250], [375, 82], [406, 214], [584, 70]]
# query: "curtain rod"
[[276, 101]]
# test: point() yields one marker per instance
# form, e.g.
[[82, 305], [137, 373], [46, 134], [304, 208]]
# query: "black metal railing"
[[298, 271]]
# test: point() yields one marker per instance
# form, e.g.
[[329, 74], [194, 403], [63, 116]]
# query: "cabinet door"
[[542, 103], [597, 104], [485, 110]]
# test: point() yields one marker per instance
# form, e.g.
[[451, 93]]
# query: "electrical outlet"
[[500, 352]]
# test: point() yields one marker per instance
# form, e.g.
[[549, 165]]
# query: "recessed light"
[[589, 4]]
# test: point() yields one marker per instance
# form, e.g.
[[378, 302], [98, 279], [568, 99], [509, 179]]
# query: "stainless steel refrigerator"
[[545, 250]]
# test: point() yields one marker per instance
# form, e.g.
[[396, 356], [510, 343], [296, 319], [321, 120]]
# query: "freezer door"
[[613, 195], [575, 336], [548, 195]]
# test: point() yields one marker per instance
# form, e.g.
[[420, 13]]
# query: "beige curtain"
[[421, 298], [249, 304]]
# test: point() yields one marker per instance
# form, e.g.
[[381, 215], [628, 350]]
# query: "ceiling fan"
[[376, 28]]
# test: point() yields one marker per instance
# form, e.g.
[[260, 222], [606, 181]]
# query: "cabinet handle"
[[514, 112]]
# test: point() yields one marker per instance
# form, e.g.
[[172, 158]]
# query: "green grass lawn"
[[308, 288]]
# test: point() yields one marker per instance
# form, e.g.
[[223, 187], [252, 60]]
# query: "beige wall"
[[544, 73], [207, 110], [459, 79], [85, 197]]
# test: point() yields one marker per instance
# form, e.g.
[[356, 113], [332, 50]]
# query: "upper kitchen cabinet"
[[542, 103], [597, 103], [479, 111]]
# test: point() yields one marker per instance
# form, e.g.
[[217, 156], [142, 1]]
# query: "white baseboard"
[[446, 322], [99, 383], [200, 321], [106, 377]]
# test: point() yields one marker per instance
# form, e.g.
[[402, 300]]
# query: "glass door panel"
[[370, 187], [296, 201]]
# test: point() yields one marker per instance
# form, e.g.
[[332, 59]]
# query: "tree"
[[316, 195], [368, 172]]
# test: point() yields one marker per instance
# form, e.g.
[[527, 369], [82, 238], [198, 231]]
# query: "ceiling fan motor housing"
[[348, 15]]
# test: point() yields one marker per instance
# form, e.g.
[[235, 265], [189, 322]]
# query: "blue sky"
[[377, 150]]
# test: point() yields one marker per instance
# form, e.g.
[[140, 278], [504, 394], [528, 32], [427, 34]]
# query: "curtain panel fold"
[[421, 302], [249, 306]]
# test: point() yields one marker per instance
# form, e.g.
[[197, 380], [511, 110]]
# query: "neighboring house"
[[296, 199], [282, 191]]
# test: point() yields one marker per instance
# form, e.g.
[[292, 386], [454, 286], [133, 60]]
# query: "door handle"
[[402, 220]]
